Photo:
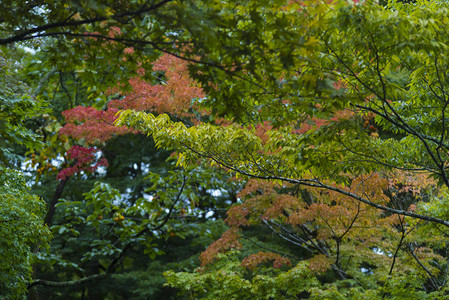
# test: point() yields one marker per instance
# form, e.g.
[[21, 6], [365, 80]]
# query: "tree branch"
[[70, 283], [29, 33], [52, 206], [318, 184], [116, 260]]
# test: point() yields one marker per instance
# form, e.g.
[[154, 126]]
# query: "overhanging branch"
[[34, 32], [318, 184]]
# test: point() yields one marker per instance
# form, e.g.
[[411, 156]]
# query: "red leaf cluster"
[[91, 124], [173, 96], [315, 123], [262, 202], [254, 186], [319, 263], [282, 203], [85, 160], [261, 131], [237, 216], [254, 260], [227, 241]]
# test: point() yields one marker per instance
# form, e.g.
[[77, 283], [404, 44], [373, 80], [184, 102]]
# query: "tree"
[[69, 66], [141, 202], [22, 231], [358, 64], [335, 117], [21, 212]]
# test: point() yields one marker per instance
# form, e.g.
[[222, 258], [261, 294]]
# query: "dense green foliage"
[[310, 149], [17, 104], [22, 232], [21, 213]]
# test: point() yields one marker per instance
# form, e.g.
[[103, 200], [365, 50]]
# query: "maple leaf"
[[85, 160]]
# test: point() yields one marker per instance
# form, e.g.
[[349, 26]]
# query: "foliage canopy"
[[319, 127]]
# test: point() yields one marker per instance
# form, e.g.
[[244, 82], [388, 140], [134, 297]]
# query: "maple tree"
[[344, 203], [66, 168], [175, 195]]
